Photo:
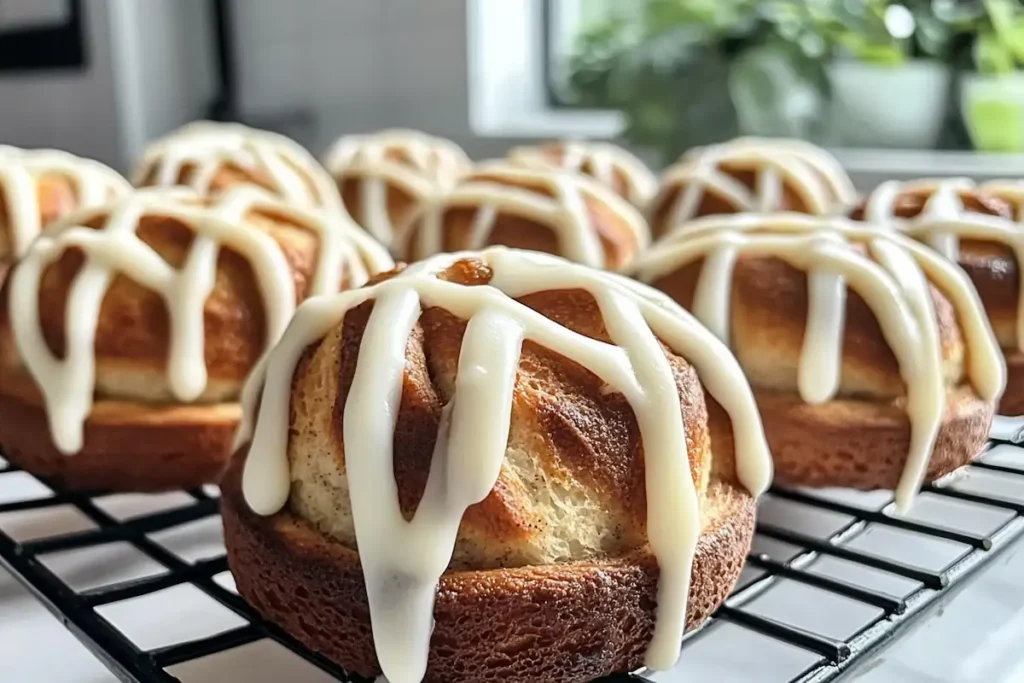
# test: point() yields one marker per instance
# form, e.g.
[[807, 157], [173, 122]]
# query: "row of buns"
[[571, 441]]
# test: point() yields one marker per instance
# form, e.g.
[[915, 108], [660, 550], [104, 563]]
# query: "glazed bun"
[[870, 355], [40, 186], [213, 157], [976, 228], [141, 308], [385, 177], [1009, 191], [750, 175], [609, 164], [556, 212], [517, 435]]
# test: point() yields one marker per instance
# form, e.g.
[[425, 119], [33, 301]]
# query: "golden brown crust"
[[400, 203], [133, 324], [619, 242], [991, 266], [911, 202], [861, 444], [577, 436], [1012, 403], [566, 623], [57, 198], [712, 203], [767, 339], [127, 447], [554, 154], [229, 175]]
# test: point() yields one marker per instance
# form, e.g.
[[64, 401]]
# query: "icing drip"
[[403, 561], [68, 384], [20, 171], [208, 148], [825, 164], [944, 221], [556, 200], [419, 164], [606, 164], [807, 171], [893, 281], [1011, 192]]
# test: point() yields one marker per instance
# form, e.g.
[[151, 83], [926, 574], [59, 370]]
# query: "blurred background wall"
[[311, 68]]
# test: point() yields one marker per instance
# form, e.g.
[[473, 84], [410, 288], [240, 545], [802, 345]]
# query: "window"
[[509, 95], [885, 83]]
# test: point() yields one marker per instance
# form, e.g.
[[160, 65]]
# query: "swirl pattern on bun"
[[40, 186], [610, 165], [977, 228], [385, 177], [870, 355], [213, 157], [151, 311], [495, 432], [559, 213], [750, 175]]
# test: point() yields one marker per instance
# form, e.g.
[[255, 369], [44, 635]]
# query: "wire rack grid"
[[832, 576]]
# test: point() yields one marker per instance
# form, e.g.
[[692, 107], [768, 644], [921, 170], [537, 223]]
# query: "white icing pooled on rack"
[[945, 220], [207, 148], [892, 278], [500, 188], [403, 561], [606, 163], [68, 384], [809, 172], [20, 173], [427, 165]]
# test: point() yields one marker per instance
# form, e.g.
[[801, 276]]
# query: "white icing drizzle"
[[892, 279], [1011, 192], [428, 165], [501, 188], [208, 147], [403, 561], [606, 162], [68, 384], [808, 171], [20, 172], [944, 221]]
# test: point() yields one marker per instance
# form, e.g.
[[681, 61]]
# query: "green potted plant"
[[992, 95], [693, 72], [890, 74]]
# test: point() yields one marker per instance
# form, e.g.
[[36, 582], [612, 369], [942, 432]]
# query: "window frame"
[[509, 68]]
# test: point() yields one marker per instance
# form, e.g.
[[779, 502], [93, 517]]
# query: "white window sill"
[[551, 124], [926, 163]]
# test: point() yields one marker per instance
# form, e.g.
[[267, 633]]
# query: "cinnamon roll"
[[500, 203], [750, 175], [213, 157], [385, 177], [126, 330], [609, 164], [978, 228], [1009, 191], [870, 355], [493, 466], [42, 185]]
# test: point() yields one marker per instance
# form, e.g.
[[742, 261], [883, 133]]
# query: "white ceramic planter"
[[993, 109], [901, 107]]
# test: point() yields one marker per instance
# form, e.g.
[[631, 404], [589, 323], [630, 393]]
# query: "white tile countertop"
[[974, 634]]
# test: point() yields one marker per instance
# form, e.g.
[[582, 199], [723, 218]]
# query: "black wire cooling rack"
[[832, 575]]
